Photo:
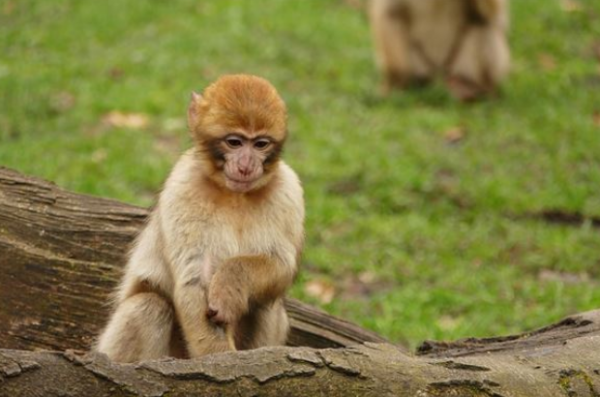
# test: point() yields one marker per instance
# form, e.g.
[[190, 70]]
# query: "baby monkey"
[[209, 271], [462, 40]]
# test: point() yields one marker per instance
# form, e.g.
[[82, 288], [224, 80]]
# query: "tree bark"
[[60, 255]]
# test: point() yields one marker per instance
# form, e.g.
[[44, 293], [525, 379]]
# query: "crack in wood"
[[462, 388], [309, 357], [461, 366], [10, 368], [127, 376], [217, 368], [341, 361]]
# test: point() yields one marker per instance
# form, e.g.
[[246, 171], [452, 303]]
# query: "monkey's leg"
[[266, 325], [201, 336], [391, 43], [275, 326], [480, 65], [140, 329]]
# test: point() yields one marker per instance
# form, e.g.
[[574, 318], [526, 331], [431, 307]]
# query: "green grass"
[[418, 237]]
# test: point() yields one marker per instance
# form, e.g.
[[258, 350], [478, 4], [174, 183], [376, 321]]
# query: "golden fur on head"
[[239, 102]]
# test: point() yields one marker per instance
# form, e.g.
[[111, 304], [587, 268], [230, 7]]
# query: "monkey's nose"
[[244, 171]]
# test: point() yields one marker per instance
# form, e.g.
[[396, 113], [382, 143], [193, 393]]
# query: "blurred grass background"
[[426, 218]]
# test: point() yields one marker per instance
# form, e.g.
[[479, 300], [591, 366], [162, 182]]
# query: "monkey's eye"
[[234, 142], [262, 143]]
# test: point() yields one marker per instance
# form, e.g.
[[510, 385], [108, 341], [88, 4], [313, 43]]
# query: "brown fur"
[[209, 271], [464, 41], [237, 102]]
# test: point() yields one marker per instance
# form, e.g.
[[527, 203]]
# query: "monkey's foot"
[[465, 89]]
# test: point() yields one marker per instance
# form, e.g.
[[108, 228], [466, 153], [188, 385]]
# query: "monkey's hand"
[[227, 297]]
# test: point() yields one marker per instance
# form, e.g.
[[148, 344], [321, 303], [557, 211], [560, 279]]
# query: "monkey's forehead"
[[250, 125], [251, 118]]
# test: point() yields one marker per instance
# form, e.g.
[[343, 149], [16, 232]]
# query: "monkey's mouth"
[[240, 185]]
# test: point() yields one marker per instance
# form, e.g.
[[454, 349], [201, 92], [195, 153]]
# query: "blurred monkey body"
[[462, 40], [209, 271]]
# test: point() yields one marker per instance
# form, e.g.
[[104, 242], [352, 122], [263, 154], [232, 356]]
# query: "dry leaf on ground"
[[454, 135], [323, 290], [62, 101], [596, 50], [571, 5], [135, 121], [547, 62], [8, 8], [448, 323], [563, 277], [99, 156]]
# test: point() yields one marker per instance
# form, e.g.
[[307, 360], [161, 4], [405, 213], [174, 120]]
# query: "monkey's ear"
[[194, 110]]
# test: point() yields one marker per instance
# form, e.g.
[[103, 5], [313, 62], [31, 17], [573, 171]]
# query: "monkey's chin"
[[240, 186]]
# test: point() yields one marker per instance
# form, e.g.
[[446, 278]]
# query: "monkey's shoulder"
[[289, 184]]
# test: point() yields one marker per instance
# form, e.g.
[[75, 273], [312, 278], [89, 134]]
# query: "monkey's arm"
[[266, 277], [243, 280]]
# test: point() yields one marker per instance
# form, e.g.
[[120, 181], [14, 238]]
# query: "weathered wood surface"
[[542, 365], [60, 255]]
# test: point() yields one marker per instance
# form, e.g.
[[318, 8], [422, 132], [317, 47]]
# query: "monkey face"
[[239, 124], [244, 160]]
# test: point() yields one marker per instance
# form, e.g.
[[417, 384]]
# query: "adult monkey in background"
[[209, 271], [463, 40]]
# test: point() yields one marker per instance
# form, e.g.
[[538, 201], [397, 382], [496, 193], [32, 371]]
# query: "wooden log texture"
[[540, 364], [60, 256]]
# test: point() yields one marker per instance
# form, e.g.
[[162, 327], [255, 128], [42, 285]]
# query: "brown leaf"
[[323, 290], [367, 277], [99, 156], [345, 186], [563, 277], [448, 323], [596, 118], [176, 124], [116, 73], [62, 101], [547, 62], [133, 121], [359, 286], [454, 135], [360, 5], [596, 50], [167, 144], [8, 8], [571, 5], [364, 285]]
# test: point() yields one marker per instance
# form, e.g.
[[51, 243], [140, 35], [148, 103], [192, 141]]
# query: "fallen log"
[[61, 253]]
